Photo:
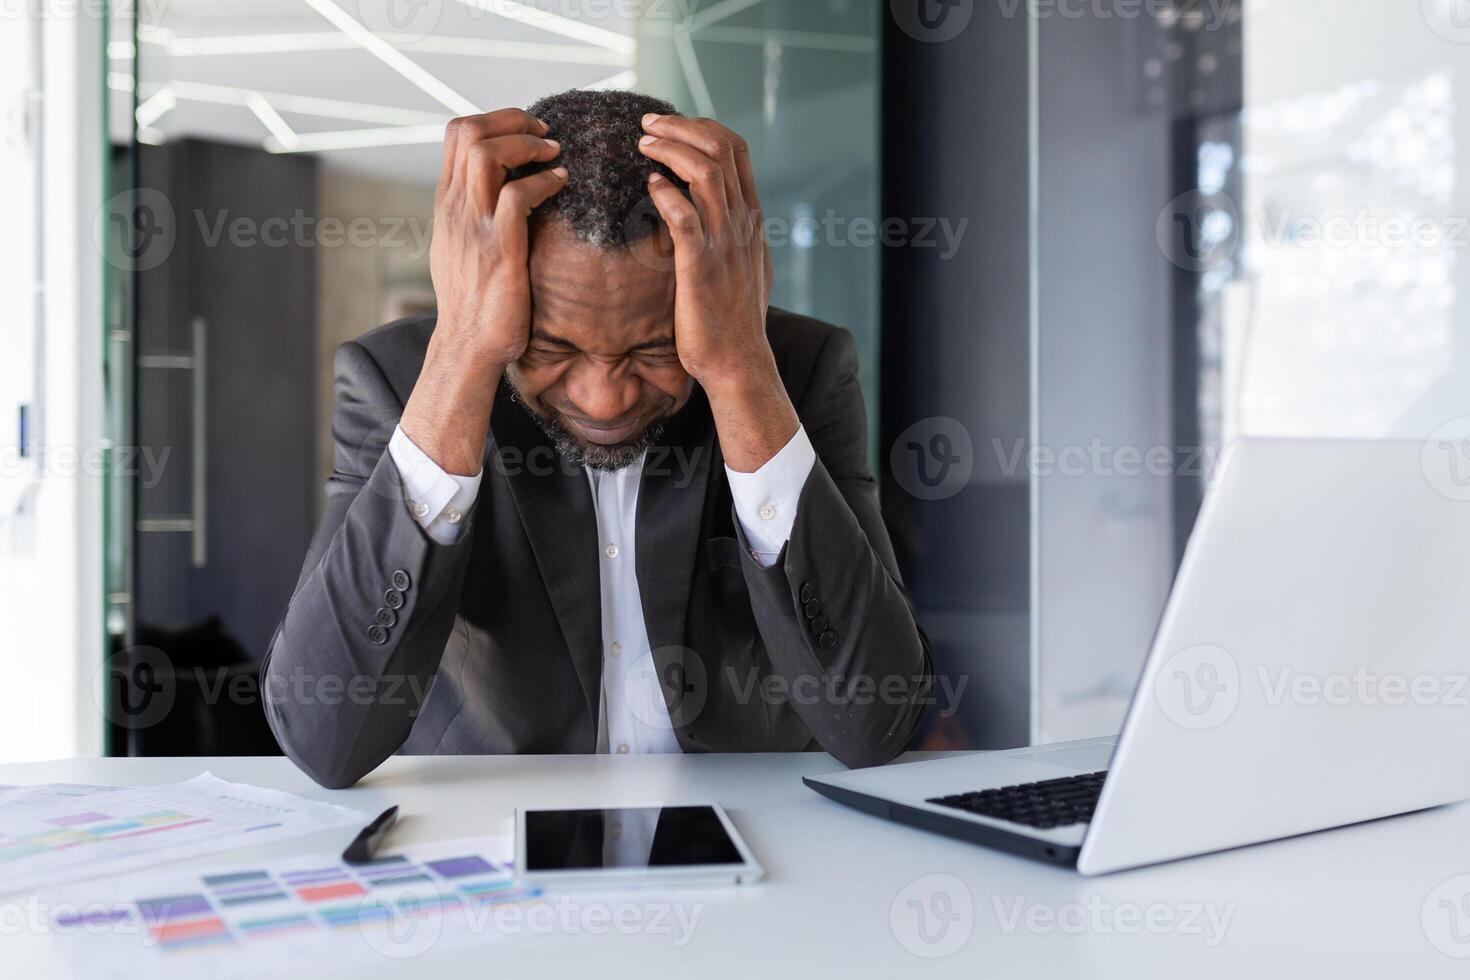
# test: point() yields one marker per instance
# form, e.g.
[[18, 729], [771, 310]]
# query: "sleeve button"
[[808, 592], [828, 640], [401, 581], [377, 635], [812, 609], [393, 599], [387, 617], [820, 625]]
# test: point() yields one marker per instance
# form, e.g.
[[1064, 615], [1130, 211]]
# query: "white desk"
[[1347, 903]]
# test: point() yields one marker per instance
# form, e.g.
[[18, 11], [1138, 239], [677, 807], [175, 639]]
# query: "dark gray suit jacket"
[[494, 644]]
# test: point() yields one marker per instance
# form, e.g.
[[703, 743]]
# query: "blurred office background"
[[1081, 246]]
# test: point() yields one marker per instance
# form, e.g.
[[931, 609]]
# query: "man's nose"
[[603, 392]]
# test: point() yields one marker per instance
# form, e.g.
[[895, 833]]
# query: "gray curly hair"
[[605, 200]]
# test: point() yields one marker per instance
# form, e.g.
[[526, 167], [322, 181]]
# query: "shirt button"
[[768, 512], [622, 748], [611, 551], [615, 831], [616, 649], [419, 510], [453, 516]]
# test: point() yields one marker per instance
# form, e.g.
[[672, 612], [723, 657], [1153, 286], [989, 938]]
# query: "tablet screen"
[[674, 836]]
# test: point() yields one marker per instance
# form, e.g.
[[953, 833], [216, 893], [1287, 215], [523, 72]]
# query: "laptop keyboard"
[[1049, 803]]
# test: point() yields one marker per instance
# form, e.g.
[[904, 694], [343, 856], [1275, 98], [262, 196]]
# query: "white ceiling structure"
[[368, 84]]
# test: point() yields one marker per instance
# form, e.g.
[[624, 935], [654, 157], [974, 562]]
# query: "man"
[[604, 500]]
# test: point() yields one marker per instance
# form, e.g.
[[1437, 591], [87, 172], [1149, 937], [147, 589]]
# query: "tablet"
[[622, 846]]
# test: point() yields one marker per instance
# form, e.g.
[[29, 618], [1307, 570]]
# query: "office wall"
[[1104, 521], [955, 358], [364, 281]]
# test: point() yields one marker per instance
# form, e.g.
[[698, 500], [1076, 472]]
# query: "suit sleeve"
[[361, 641], [832, 610]]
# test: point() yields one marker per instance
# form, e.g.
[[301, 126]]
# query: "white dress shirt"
[[633, 716]]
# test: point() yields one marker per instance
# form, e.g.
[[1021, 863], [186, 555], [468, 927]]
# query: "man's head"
[[601, 373]]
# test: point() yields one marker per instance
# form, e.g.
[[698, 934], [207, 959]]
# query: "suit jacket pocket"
[[722, 553]]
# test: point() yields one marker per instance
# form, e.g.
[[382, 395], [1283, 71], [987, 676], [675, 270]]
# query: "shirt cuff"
[[437, 500], [765, 501]]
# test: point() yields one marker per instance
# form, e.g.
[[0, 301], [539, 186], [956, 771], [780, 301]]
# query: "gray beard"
[[604, 458]]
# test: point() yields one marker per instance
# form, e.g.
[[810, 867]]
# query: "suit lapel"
[[555, 506], [671, 504]]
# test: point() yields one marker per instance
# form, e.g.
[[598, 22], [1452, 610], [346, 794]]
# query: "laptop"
[[1309, 671]]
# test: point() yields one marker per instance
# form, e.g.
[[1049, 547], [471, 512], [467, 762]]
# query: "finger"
[[513, 210], [469, 130], [490, 160], [682, 219], [704, 175], [710, 138]]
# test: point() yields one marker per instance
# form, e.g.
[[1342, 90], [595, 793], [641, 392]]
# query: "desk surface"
[[844, 890]]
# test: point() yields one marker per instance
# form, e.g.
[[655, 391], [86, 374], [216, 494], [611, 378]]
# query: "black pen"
[[366, 844]]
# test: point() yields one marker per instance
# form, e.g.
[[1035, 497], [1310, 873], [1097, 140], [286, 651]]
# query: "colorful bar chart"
[[57, 833], [289, 911]]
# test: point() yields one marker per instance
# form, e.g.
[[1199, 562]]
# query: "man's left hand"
[[723, 283]]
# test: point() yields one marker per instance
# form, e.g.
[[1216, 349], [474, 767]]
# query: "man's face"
[[601, 373]]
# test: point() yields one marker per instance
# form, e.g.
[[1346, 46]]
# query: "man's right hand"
[[480, 266]]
